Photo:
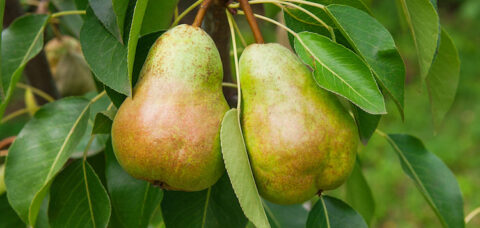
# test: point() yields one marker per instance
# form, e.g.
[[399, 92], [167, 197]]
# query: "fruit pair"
[[299, 138]]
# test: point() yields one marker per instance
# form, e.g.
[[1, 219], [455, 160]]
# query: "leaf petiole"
[[36, 91], [237, 71], [66, 13], [14, 114], [229, 84]]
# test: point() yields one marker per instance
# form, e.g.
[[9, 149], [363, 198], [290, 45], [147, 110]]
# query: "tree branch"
[[251, 21], [201, 13]]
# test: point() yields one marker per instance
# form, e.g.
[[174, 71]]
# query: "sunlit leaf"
[[340, 71], [299, 21], [372, 41], [238, 168], [134, 34]]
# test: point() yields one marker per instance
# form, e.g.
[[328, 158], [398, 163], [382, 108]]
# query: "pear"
[[168, 133], [68, 66], [299, 137]]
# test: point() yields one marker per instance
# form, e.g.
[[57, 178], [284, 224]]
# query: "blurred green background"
[[456, 142]]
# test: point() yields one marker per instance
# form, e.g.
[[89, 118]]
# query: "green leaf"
[[359, 195], [143, 47], [333, 213], [271, 10], [157, 219], [116, 98], [103, 121], [52, 145], [73, 22], [366, 123], [375, 45], [105, 55], [2, 179], [215, 207], [42, 218], [154, 21], [138, 14], [104, 11], [22, 41], [77, 196], [81, 4], [7, 215], [134, 201], [98, 143], [321, 13], [286, 216], [238, 168], [2, 9], [424, 24], [432, 177], [443, 77], [299, 21], [120, 9], [340, 71]]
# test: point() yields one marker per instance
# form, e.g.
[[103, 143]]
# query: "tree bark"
[[37, 70]]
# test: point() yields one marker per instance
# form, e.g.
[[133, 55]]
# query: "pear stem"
[[251, 21], [185, 12], [201, 13]]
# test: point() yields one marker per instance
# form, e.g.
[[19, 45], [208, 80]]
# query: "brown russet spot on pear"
[[299, 138], [168, 132]]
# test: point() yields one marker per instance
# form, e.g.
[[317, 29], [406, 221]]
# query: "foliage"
[[351, 53]]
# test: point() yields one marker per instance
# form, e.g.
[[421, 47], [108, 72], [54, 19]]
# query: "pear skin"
[[299, 138], [168, 133]]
